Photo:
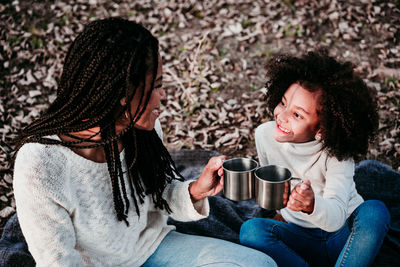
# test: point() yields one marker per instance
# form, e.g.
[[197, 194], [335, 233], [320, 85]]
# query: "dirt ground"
[[214, 53]]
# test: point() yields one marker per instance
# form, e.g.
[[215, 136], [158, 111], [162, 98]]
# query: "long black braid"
[[108, 61]]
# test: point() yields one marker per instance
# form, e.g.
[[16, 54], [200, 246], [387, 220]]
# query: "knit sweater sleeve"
[[330, 208], [178, 198], [42, 194]]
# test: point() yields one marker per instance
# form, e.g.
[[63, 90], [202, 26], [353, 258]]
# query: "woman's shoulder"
[[42, 172], [158, 128], [36, 152], [40, 161]]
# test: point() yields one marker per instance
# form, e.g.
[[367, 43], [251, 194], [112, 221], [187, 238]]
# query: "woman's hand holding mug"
[[210, 181]]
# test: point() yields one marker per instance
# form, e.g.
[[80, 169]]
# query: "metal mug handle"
[[286, 193]]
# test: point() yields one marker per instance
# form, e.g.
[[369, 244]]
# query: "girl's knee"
[[372, 220], [250, 229], [376, 210], [257, 233]]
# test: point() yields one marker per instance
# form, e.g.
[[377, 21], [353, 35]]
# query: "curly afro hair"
[[348, 115]]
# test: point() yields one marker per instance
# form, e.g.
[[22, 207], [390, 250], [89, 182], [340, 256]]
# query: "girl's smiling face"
[[297, 115]]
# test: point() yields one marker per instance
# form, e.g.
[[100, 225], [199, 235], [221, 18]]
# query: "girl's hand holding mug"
[[302, 198]]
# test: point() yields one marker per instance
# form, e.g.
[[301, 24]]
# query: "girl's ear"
[[123, 101], [318, 135]]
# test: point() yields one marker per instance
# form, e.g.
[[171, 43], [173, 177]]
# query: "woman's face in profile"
[[152, 111]]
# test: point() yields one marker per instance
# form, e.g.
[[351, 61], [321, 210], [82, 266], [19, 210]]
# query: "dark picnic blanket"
[[374, 181]]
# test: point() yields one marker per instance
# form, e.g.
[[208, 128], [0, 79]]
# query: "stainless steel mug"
[[239, 178], [270, 186]]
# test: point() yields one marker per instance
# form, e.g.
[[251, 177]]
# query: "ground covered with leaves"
[[213, 53]]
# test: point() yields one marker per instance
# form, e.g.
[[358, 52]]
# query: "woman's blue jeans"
[[356, 244], [185, 250]]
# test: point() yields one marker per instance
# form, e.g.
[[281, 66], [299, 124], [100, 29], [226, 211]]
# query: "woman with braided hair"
[[94, 184]]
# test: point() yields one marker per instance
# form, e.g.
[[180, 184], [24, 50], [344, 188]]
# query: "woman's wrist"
[[193, 192]]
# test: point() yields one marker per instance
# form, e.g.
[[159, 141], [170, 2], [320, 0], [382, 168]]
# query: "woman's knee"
[[232, 254], [258, 258], [245, 256]]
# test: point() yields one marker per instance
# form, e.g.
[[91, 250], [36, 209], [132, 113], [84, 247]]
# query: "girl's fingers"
[[301, 197], [303, 189], [298, 197], [300, 201], [294, 205]]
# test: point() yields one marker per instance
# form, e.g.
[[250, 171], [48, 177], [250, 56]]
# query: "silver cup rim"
[[272, 182], [249, 159]]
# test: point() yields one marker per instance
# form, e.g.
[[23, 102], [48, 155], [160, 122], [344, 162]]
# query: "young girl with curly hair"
[[324, 117]]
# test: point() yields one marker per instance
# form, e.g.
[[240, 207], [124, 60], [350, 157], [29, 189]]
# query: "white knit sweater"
[[66, 211], [332, 180]]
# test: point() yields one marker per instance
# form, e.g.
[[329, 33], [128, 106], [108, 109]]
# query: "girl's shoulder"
[[267, 128], [347, 166], [331, 160]]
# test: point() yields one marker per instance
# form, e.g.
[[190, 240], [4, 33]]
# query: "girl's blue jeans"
[[356, 244]]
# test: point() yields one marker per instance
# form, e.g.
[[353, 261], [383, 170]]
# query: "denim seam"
[[345, 254]]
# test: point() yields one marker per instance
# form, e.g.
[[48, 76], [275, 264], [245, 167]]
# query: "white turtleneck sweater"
[[66, 211], [331, 180]]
